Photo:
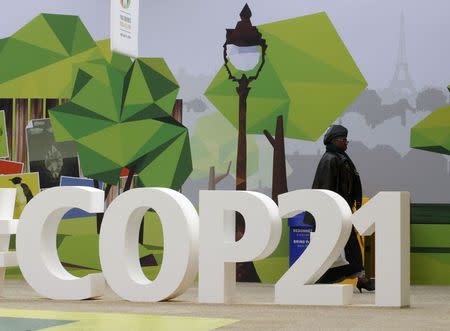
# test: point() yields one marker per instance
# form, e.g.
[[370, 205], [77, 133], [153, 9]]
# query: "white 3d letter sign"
[[388, 214], [119, 254], [207, 244], [332, 216], [36, 243], [219, 251]]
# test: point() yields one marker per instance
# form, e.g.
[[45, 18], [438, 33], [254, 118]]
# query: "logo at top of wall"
[[125, 3]]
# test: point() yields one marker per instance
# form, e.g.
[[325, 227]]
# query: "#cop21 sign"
[[204, 243]]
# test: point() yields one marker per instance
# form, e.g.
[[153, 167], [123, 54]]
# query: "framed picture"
[[76, 181], [48, 157]]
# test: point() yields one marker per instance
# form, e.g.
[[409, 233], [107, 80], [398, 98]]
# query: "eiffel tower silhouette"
[[402, 83]]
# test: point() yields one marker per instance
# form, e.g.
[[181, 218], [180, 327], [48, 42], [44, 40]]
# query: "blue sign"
[[75, 181], [299, 237]]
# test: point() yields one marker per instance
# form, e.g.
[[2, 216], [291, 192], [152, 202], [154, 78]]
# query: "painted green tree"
[[38, 64], [308, 80], [40, 59], [214, 144], [121, 117]]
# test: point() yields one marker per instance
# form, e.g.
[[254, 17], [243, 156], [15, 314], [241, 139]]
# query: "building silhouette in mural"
[[196, 105], [402, 82], [401, 85], [431, 98], [370, 105]]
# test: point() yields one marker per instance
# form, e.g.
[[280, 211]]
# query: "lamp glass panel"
[[244, 58]]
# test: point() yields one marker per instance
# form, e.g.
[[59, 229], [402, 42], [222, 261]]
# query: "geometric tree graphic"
[[37, 67], [40, 59], [309, 79], [120, 116], [213, 145], [122, 119]]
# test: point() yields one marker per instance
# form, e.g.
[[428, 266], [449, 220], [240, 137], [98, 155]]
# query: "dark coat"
[[337, 173]]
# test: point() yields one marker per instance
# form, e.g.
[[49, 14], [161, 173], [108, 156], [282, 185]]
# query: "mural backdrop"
[[397, 57]]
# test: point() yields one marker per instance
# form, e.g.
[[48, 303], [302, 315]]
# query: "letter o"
[[119, 254]]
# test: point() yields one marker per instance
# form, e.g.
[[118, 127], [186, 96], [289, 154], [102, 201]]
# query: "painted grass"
[[430, 268], [271, 269]]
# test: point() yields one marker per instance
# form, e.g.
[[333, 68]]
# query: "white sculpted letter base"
[[388, 213], [219, 251], [119, 254], [8, 226], [216, 254], [332, 216], [36, 243]]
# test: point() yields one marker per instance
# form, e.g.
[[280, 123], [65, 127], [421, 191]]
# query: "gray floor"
[[430, 309]]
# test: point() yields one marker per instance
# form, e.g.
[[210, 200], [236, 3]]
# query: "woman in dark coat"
[[336, 172]]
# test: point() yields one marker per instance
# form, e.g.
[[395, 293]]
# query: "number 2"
[[332, 215]]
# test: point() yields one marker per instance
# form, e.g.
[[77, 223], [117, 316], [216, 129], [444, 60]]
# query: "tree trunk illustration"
[[177, 112], [213, 179], [128, 186], [279, 177], [37, 109], [21, 121], [49, 104]]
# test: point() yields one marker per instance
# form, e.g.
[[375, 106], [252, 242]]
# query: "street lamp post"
[[245, 49], [246, 42]]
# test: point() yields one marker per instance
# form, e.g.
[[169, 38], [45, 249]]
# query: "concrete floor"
[[430, 309]]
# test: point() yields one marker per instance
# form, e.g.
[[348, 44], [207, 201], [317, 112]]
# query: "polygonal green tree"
[[40, 59], [122, 119], [308, 80]]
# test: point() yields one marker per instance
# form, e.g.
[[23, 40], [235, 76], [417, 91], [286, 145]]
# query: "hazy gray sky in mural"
[[370, 29], [189, 34]]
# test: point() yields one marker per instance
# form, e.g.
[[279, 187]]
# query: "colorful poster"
[[4, 150], [75, 181], [27, 186], [10, 167], [125, 27], [51, 159]]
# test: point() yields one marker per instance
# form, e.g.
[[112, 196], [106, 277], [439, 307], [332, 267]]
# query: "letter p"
[[219, 251]]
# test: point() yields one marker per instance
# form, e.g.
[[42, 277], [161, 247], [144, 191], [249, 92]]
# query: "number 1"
[[388, 215]]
